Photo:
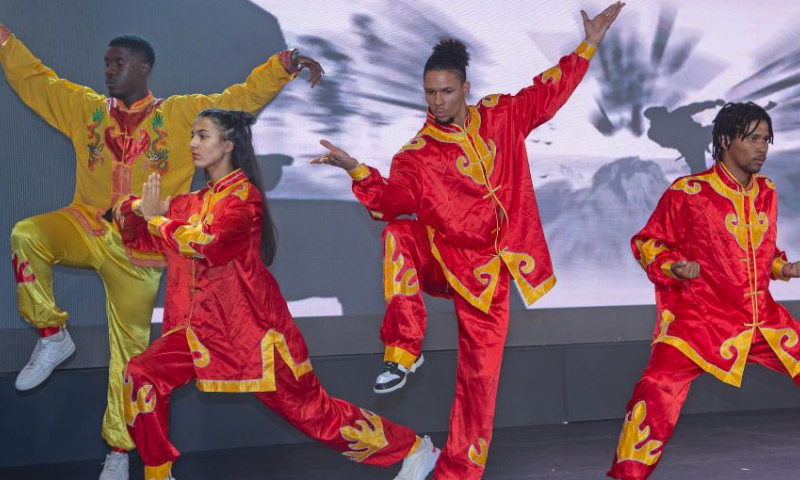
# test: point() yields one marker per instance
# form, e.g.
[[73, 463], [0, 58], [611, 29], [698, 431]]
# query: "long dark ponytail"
[[235, 127]]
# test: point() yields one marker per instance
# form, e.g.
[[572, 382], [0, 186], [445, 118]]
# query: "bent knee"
[[137, 370], [24, 231]]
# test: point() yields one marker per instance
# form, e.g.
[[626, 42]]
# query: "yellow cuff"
[[136, 206], [160, 472], [401, 356], [154, 223], [414, 447], [359, 173], [666, 267], [586, 50], [777, 269]]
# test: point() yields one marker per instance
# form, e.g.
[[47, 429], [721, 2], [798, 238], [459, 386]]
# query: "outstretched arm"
[[261, 86], [59, 102], [536, 104], [385, 199]]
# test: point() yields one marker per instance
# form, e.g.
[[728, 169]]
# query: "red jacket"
[[219, 287], [730, 231], [472, 187]]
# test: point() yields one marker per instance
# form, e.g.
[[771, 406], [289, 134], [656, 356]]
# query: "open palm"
[[597, 27]]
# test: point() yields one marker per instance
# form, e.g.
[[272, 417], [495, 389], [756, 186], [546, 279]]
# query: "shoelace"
[[38, 351], [391, 367]]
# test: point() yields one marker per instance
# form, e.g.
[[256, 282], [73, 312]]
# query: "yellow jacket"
[[118, 146]]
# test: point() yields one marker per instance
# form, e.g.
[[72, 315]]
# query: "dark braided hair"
[[733, 121], [235, 126], [136, 43], [450, 55]]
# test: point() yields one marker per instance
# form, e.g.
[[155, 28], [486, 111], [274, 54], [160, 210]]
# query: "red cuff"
[[286, 60]]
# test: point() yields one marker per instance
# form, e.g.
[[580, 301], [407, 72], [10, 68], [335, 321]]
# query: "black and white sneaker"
[[393, 376]]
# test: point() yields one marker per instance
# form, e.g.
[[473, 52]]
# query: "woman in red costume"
[[226, 323]]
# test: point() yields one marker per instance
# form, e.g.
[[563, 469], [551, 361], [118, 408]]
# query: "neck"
[[134, 97], [461, 118], [218, 171], [740, 175]]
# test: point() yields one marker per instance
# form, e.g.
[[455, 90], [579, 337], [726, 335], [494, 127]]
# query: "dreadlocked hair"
[[450, 55], [235, 126], [733, 121]]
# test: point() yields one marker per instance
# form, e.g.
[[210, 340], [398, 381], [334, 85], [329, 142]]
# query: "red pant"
[[409, 269], [656, 404], [359, 434]]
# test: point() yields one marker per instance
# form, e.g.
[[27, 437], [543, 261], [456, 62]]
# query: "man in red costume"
[[466, 177], [710, 249]]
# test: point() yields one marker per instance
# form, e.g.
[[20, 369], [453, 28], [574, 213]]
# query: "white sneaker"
[[47, 355], [393, 376], [115, 467], [419, 464]]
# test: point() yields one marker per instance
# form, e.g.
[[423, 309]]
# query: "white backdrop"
[[602, 163]]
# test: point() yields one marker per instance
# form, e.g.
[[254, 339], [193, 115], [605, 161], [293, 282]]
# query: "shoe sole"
[[400, 385], [61, 360]]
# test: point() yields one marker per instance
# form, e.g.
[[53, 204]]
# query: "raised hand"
[[152, 205], [314, 68], [335, 156], [685, 270], [597, 27]]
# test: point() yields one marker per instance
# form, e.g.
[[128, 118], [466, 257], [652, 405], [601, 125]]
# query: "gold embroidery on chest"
[[747, 227], [477, 163]]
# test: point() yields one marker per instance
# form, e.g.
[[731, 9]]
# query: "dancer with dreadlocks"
[[710, 249], [466, 177]]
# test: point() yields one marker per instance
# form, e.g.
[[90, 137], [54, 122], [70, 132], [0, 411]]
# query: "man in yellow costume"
[[119, 140]]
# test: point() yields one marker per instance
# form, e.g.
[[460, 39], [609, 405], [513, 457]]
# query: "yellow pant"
[[58, 238]]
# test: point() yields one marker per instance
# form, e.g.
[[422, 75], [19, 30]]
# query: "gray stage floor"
[[722, 446]]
